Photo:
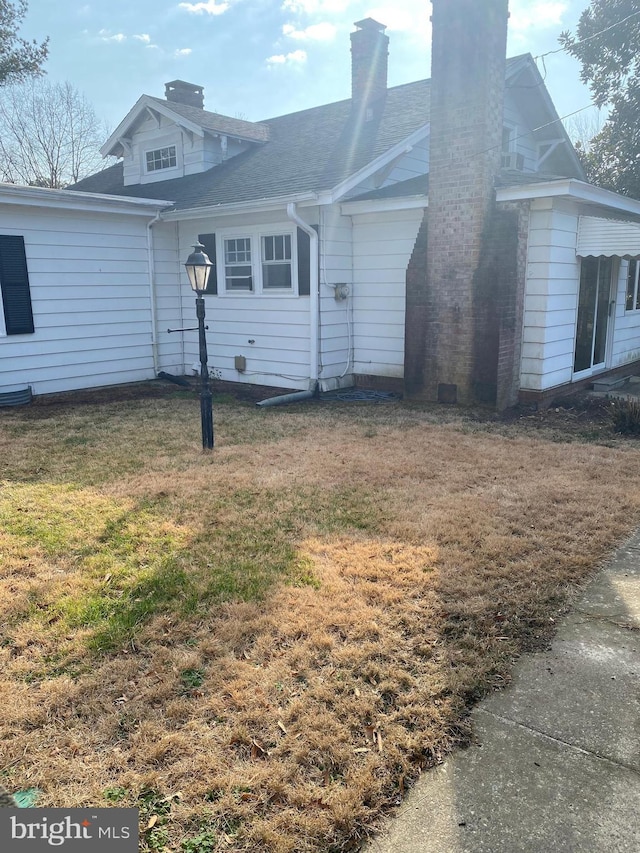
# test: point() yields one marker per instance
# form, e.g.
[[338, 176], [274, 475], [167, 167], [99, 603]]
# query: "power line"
[[589, 38], [566, 49]]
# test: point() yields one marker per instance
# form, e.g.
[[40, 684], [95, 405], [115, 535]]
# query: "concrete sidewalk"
[[556, 766]]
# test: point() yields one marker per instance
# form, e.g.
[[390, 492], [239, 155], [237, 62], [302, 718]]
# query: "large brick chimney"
[[369, 58], [468, 62]]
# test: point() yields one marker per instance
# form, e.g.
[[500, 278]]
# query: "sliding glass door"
[[593, 315]]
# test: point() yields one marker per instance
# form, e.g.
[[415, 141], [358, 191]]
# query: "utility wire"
[[591, 37], [566, 49]]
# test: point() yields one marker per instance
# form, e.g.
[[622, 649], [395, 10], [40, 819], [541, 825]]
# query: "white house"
[[76, 290], [313, 221]]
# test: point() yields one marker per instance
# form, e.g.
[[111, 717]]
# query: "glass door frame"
[[609, 316]]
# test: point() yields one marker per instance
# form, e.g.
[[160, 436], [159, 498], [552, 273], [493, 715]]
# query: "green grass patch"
[[118, 563]]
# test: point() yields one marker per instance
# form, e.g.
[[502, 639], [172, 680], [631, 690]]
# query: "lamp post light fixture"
[[198, 268]]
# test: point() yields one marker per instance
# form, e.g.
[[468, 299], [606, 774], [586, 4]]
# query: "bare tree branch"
[[49, 135]]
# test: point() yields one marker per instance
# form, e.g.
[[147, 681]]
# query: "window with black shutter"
[[209, 243], [14, 285]]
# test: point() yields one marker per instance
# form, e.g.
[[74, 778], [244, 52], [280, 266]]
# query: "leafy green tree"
[[606, 44], [19, 59]]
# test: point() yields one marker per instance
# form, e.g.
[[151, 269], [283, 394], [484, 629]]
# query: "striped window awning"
[[608, 237]]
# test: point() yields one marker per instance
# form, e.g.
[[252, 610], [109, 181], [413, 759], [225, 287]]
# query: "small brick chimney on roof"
[[468, 65], [181, 92], [369, 55]]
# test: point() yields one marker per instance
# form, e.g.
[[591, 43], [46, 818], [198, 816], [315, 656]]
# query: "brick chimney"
[[369, 55], [467, 102], [181, 92]]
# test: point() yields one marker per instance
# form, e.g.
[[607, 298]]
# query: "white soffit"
[[608, 237]]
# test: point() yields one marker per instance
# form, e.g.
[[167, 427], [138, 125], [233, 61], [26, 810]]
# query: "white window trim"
[[164, 170], [149, 145], [256, 234], [513, 137], [636, 294]]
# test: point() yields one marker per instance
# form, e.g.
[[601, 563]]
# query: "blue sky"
[[260, 58]]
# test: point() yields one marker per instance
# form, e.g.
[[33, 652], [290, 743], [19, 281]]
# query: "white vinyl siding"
[[626, 339], [552, 290], [270, 329], [89, 279], [382, 247], [336, 267], [551, 298]]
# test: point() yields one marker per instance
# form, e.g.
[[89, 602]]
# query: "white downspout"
[[314, 295], [152, 295]]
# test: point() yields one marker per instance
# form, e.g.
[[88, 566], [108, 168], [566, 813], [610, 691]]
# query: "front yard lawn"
[[262, 647]]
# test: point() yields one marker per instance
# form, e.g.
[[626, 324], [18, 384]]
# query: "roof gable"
[[190, 118]]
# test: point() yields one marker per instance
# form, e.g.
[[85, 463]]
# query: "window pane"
[[237, 251], [631, 286], [276, 275], [602, 310], [161, 158], [586, 313], [238, 277]]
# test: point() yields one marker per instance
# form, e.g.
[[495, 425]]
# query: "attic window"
[[161, 158]]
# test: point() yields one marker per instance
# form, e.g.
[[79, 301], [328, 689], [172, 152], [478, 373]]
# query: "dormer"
[[163, 139]]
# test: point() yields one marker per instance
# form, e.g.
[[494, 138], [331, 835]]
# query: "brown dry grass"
[[325, 596]]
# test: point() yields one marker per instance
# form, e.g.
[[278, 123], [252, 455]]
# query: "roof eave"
[[403, 147], [383, 205], [74, 200], [570, 188], [229, 209]]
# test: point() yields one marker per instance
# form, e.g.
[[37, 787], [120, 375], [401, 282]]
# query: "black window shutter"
[[304, 262], [209, 243], [14, 281]]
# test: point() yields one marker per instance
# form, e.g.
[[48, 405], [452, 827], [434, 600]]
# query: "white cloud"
[[105, 35], [315, 32], [393, 17], [144, 37], [210, 7], [315, 7], [538, 15], [296, 57], [183, 51]]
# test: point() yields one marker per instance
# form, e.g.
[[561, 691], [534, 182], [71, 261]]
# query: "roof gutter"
[[572, 188], [314, 294], [259, 206], [77, 200]]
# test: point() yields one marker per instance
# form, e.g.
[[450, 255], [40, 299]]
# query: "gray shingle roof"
[[402, 189], [308, 151], [216, 122]]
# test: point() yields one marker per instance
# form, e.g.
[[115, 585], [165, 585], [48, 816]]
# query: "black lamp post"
[[198, 268]]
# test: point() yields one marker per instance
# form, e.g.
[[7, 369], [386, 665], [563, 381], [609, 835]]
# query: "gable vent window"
[[14, 286], [161, 158]]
